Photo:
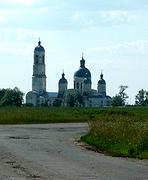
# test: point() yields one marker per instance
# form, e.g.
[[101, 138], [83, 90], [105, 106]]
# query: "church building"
[[81, 94], [39, 95]]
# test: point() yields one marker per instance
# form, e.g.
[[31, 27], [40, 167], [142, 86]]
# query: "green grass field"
[[120, 132], [35, 115], [116, 131]]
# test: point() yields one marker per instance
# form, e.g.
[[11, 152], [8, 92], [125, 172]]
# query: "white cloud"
[[118, 16], [139, 46], [60, 15], [25, 2], [107, 18]]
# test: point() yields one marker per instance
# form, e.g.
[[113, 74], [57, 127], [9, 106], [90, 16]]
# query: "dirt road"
[[50, 152]]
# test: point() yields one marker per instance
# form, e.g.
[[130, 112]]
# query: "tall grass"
[[30, 115], [120, 132]]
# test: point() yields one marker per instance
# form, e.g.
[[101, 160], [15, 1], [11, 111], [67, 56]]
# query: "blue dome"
[[63, 80], [39, 47], [101, 81], [87, 81], [83, 72]]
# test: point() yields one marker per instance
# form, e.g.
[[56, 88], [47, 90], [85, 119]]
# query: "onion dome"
[[39, 47], [87, 81], [83, 72], [101, 81], [63, 80]]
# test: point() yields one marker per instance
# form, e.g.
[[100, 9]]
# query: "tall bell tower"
[[39, 74]]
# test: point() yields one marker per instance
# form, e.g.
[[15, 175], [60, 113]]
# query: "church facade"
[[80, 95]]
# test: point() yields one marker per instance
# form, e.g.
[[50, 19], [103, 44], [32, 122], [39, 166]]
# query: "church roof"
[[39, 47], [101, 81], [52, 94], [63, 80], [83, 72], [87, 81], [96, 96]]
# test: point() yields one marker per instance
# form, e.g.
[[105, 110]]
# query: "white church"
[[82, 86]]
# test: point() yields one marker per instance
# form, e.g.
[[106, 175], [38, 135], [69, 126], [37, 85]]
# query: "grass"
[[36, 115], [116, 131], [120, 132]]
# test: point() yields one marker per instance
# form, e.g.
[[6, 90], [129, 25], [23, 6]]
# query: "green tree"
[[12, 97], [2, 93], [117, 101], [74, 99], [70, 100], [57, 102], [141, 99], [121, 97]]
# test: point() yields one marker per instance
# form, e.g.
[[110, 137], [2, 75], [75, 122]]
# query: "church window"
[[77, 85], [36, 59], [43, 59]]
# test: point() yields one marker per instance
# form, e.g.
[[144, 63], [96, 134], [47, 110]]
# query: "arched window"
[[43, 59], [36, 59], [77, 85]]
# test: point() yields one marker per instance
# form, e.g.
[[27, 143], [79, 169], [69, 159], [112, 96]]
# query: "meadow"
[[115, 131], [120, 132], [39, 115]]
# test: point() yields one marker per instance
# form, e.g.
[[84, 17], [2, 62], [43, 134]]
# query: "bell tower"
[[102, 86], [39, 75], [62, 85]]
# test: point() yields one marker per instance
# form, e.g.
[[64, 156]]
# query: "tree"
[[117, 101], [11, 97], [74, 99], [141, 99], [70, 100], [2, 93], [121, 97], [57, 102]]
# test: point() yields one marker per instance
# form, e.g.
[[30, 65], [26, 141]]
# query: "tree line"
[[11, 97], [14, 97], [120, 99]]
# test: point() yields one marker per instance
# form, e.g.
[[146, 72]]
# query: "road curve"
[[40, 152]]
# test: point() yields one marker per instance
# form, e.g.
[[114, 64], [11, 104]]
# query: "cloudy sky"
[[112, 34]]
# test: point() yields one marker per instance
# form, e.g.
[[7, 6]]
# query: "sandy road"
[[49, 152]]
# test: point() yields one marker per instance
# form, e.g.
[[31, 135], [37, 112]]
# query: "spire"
[[39, 43], [101, 76], [82, 62], [82, 55], [63, 74]]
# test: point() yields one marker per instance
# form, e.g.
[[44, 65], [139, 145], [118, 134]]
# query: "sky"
[[112, 34]]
